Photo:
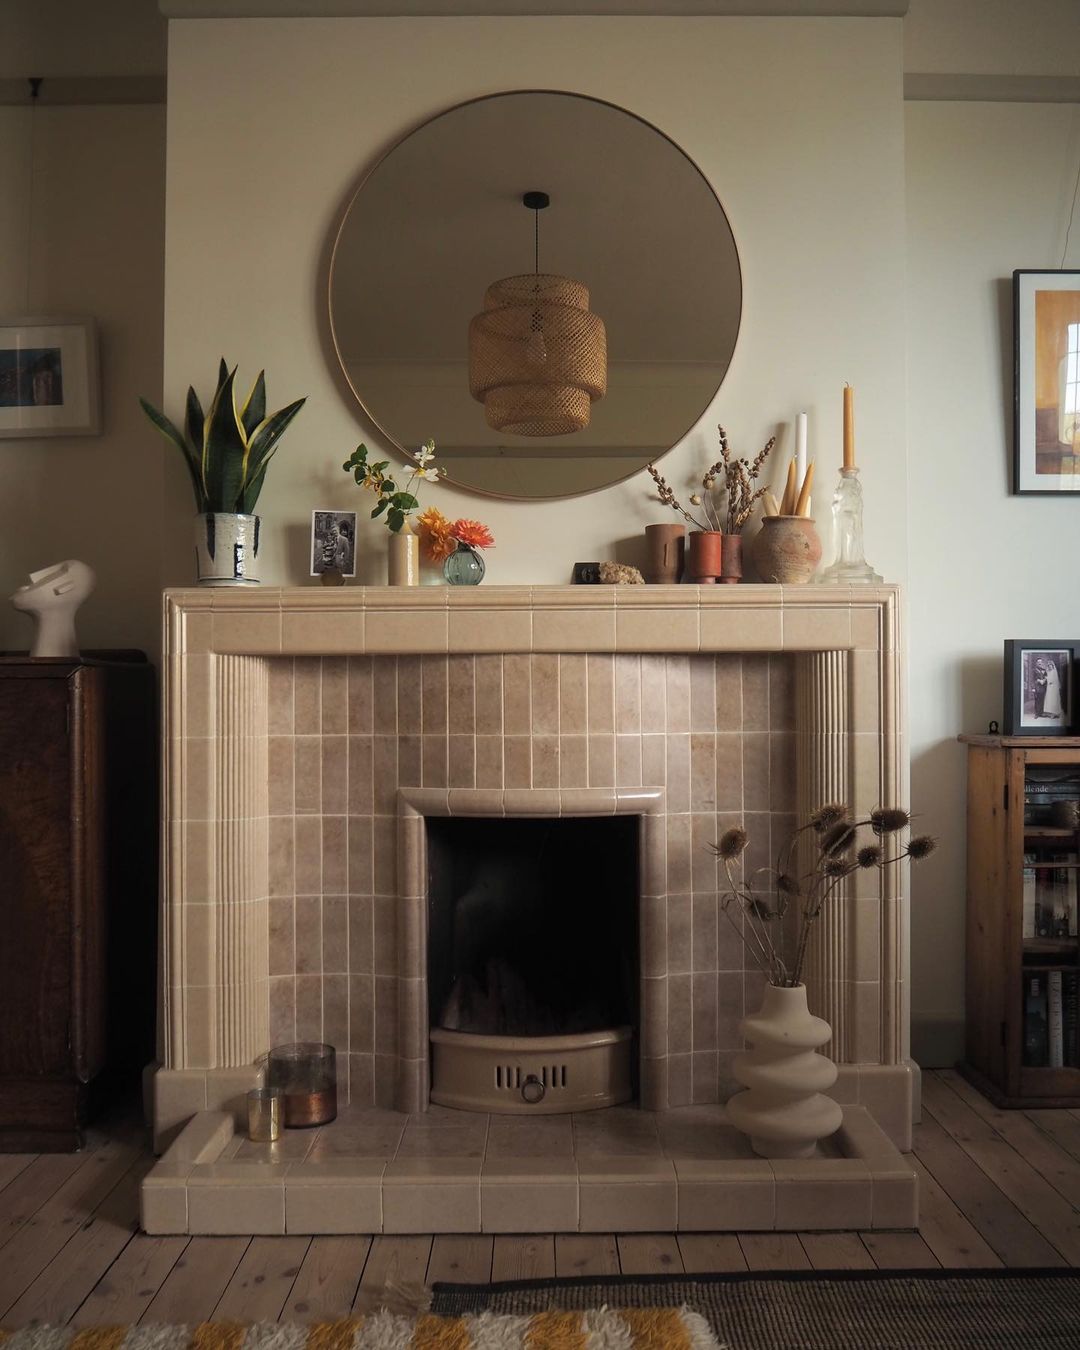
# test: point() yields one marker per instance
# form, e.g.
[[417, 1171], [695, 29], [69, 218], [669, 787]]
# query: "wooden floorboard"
[[997, 1188]]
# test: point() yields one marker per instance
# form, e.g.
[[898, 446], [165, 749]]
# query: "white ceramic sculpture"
[[52, 596], [784, 1109]]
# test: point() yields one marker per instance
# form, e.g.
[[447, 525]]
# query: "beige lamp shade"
[[537, 356]]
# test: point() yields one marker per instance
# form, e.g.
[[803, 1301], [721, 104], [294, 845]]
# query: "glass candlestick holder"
[[850, 567]]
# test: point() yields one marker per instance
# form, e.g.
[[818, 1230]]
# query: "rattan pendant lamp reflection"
[[537, 356]]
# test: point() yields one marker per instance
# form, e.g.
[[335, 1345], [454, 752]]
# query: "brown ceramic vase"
[[665, 547], [787, 550], [731, 559], [704, 561]]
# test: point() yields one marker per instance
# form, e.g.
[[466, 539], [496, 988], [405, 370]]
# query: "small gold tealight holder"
[[264, 1115]]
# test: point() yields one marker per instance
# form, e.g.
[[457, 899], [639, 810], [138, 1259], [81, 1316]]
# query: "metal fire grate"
[[521, 1074]]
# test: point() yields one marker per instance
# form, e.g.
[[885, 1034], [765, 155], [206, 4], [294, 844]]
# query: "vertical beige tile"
[[360, 777], [307, 695], [729, 773], [517, 696], [702, 694], [730, 1005], [335, 695], [703, 771], [654, 1017], [308, 843], [678, 773], [282, 1009], [679, 934], [628, 694], [517, 761], [654, 760], [680, 1014], [756, 771], [680, 1080], [704, 1073], [281, 868], [282, 947], [307, 775], [410, 693], [601, 760], [573, 761], [361, 1080], [279, 764], [461, 695], [653, 935], [600, 672], [309, 1023], [384, 695], [362, 1013], [435, 768], [360, 696], [385, 773], [781, 692], [335, 1011], [361, 877], [573, 696], [677, 685], [279, 696], [628, 761], [704, 991], [489, 762], [544, 683], [489, 695], [335, 775], [545, 762], [755, 691], [729, 715], [385, 912], [653, 693], [410, 770], [462, 761], [679, 844], [308, 912], [704, 920], [435, 692], [705, 874], [361, 934], [335, 934], [386, 1011], [199, 786], [384, 850], [782, 772], [335, 855]]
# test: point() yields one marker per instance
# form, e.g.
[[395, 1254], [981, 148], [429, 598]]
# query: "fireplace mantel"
[[220, 646]]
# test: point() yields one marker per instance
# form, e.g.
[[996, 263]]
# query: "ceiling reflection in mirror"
[[440, 219]]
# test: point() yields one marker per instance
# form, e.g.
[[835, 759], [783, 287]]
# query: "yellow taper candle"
[[787, 501], [849, 427]]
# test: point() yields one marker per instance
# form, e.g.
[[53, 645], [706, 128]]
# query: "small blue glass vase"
[[464, 567]]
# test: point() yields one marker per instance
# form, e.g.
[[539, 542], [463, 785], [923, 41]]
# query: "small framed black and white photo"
[[333, 543], [1039, 687]]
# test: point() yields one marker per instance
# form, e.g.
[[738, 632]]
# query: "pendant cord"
[[1072, 214], [536, 243]]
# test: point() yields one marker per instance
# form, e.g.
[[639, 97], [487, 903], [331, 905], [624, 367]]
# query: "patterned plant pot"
[[227, 549]]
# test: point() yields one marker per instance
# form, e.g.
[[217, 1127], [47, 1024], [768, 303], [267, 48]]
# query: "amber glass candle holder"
[[306, 1074]]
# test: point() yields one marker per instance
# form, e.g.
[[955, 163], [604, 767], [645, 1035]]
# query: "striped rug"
[[587, 1329]]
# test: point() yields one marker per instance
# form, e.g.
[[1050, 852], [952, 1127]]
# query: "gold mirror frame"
[[725, 243]]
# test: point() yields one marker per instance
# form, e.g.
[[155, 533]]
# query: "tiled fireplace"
[[312, 734]]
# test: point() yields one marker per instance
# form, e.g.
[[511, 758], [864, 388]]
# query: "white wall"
[[85, 188], [989, 187], [797, 124]]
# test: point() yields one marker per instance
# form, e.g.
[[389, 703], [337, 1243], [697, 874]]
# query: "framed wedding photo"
[[1040, 687], [333, 543], [1046, 445], [49, 382]]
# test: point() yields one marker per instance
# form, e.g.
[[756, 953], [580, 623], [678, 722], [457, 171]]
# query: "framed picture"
[[1040, 687], [1046, 448], [333, 543], [49, 382]]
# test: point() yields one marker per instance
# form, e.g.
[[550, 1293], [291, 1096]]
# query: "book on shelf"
[[1070, 995], [1050, 894], [1029, 895], [1055, 1021], [1036, 1030]]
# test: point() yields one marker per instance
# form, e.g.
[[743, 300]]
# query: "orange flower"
[[437, 534], [471, 532]]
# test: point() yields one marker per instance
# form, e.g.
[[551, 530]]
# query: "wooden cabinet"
[[78, 889], [1023, 875]]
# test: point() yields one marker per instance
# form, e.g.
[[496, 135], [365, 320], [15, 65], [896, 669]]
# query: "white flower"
[[431, 475], [425, 454]]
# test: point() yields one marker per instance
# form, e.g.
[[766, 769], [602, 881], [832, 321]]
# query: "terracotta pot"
[[784, 1109], [665, 547], [403, 558], [703, 556], [731, 558], [787, 550]]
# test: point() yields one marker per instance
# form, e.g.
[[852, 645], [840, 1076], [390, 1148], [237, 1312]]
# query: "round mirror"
[[463, 312]]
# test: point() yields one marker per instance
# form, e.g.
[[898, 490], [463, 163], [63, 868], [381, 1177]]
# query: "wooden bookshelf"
[[1012, 785]]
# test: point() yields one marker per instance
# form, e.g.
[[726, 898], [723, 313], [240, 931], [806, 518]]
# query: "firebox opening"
[[532, 927]]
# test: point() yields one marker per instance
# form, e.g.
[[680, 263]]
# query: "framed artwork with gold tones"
[[1046, 311]]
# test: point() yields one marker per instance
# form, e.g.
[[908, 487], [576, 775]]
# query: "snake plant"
[[227, 449]]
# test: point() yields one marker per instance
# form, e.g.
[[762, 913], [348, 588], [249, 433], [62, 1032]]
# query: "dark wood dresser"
[[78, 889]]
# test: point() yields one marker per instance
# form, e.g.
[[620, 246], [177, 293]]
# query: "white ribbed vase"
[[783, 1108]]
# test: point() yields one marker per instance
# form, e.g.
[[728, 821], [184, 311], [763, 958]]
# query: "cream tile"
[[518, 1205], [250, 633], [461, 695], [654, 1084], [309, 1023], [517, 695], [489, 762], [642, 1198], [402, 632], [335, 1197], [674, 630], [895, 1198], [410, 766], [307, 834], [335, 856], [569, 631], [736, 629], [279, 697], [490, 631], [816, 629], [680, 1080], [654, 1017], [544, 671], [680, 1014], [814, 1195], [573, 761], [361, 1014], [163, 1205], [198, 768], [280, 771], [307, 761], [361, 855], [335, 696], [537, 1140], [339, 632], [718, 1196], [200, 949], [517, 761], [335, 775], [545, 761], [653, 935], [224, 1203], [702, 694], [489, 695], [601, 760], [425, 1195], [573, 700]]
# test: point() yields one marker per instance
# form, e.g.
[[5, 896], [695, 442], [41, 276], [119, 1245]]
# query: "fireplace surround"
[[229, 655]]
